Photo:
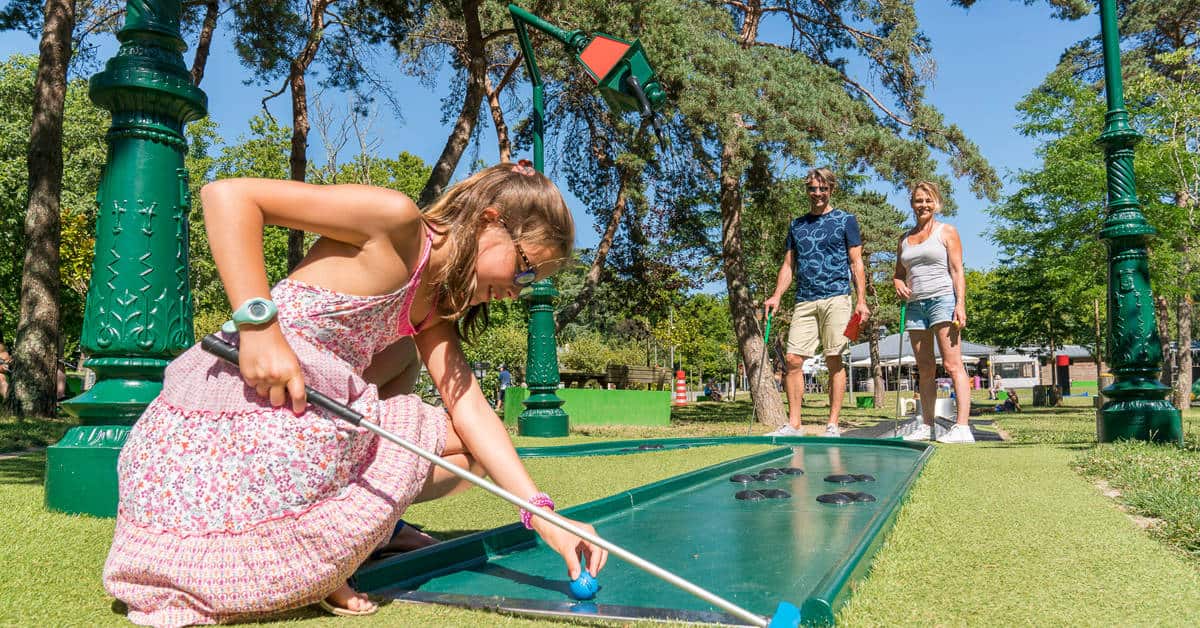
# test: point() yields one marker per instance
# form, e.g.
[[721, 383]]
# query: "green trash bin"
[[865, 401]]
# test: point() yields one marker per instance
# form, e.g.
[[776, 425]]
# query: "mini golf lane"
[[753, 553]]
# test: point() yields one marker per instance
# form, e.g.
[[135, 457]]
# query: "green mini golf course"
[[753, 553]]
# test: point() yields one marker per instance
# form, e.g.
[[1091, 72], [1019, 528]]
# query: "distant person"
[[1011, 403], [824, 255], [711, 392], [5, 372], [929, 277], [997, 386], [505, 382]]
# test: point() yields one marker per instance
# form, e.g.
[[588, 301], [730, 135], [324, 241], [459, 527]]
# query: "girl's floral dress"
[[231, 509]]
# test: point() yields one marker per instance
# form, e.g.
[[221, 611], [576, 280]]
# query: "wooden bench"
[[653, 378]]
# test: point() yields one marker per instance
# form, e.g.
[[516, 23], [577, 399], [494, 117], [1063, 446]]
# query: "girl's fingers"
[[278, 394], [573, 567], [299, 397]]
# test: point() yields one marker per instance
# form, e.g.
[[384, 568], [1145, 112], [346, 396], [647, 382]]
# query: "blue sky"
[[987, 58]]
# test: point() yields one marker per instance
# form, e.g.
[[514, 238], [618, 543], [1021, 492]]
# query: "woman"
[[929, 276]]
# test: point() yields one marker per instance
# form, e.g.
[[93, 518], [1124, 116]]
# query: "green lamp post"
[[627, 83], [139, 305], [1137, 406]]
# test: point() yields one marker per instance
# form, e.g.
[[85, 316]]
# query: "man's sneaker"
[[958, 434], [832, 430], [786, 430], [921, 432]]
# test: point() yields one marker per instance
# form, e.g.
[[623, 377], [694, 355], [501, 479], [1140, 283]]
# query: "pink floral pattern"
[[231, 509]]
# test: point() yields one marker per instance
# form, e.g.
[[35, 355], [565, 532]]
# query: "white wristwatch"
[[255, 311]]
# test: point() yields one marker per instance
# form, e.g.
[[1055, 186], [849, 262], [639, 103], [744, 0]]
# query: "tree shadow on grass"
[[27, 469], [712, 412]]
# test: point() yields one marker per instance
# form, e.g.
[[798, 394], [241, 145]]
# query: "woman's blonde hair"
[[931, 188], [530, 205]]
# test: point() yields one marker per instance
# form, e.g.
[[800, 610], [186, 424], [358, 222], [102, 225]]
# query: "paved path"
[[14, 454]]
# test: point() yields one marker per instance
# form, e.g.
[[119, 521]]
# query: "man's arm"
[[858, 272], [782, 281]]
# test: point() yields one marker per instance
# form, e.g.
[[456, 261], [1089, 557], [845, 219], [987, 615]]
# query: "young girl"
[[237, 499]]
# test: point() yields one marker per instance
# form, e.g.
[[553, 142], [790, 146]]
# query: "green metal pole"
[[1137, 406], [543, 414], [139, 305]]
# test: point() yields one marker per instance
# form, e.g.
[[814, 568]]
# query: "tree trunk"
[[460, 135], [768, 407], [569, 311], [35, 357], [1162, 316], [879, 386], [503, 143], [877, 367], [300, 126], [1183, 308], [1183, 352], [204, 44]]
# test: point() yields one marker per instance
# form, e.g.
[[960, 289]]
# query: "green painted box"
[[589, 406]]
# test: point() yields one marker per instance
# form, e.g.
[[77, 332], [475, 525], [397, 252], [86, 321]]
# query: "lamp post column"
[[1137, 406], [139, 305]]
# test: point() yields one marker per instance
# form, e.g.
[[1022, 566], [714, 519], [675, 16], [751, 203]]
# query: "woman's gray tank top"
[[927, 266]]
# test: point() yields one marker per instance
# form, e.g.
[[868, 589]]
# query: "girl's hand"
[[269, 365], [570, 546], [960, 316], [902, 289]]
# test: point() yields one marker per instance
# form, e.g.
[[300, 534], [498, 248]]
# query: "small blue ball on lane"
[[585, 586]]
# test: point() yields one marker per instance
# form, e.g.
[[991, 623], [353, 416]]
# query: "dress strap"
[[414, 283]]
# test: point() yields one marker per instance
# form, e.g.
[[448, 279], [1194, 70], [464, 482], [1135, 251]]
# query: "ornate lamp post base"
[[543, 414], [1140, 419]]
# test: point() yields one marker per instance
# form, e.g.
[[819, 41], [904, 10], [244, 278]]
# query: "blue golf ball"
[[584, 587]]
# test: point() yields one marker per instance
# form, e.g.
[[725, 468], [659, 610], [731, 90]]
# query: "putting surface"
[[755, 553]]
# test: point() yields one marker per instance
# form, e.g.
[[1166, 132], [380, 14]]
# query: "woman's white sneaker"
[[958, 434], [922, 432]]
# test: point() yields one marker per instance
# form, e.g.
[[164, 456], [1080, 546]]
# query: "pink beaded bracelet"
[[541, 500]]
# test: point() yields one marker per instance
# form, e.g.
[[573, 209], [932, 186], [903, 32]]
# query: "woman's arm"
[[954, 261], [484, 436], [900, 275]]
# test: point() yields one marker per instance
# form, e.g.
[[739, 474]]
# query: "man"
[[505, 382], [824, 251]]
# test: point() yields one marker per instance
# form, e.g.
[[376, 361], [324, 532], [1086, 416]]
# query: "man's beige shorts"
[[819, 322]]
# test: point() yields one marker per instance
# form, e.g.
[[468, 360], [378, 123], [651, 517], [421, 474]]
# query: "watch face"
[[258, 310]]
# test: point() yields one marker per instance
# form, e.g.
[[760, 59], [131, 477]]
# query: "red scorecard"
[[851, 331]]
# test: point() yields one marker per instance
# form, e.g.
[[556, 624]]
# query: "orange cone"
[[680, 388]]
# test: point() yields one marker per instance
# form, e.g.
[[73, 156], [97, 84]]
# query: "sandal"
[[341, 611]]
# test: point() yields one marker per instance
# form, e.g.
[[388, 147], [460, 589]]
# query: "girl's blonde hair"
[[931, 188], [530, 205]]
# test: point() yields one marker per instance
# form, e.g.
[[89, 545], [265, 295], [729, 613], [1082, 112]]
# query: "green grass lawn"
[[19, 435], [993, 534]]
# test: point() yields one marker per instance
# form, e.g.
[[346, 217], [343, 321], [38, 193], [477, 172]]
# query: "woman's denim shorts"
[[925, 313]]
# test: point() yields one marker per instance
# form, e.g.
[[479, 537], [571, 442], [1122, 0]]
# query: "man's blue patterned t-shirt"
[[820, 247]]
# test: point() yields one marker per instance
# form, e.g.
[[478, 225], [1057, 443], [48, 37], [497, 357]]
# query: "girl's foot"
[[406, 538], [348, 603]]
